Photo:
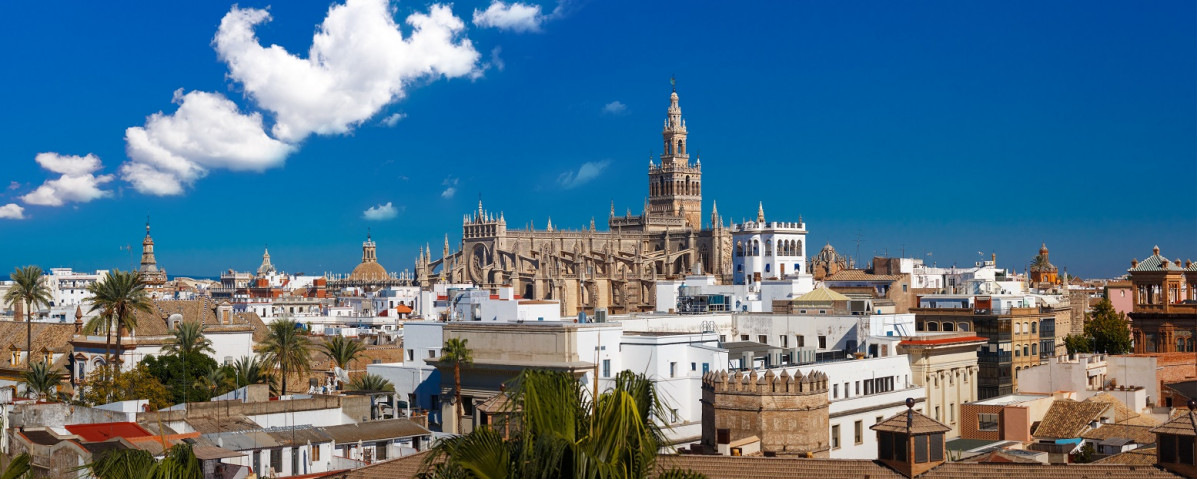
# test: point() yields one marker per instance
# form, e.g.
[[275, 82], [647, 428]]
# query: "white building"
[[769, 250]]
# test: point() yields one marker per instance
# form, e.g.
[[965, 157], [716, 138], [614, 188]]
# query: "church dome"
[[369, 271]]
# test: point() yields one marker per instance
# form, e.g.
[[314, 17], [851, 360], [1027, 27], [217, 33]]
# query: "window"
[[673, 369], [1034, 327], [878, 419], [785, 341], [431, 353], [835, 391], [743, 337], [411, 355], [904, 288], [886, 446], [763, 339], [920, 449], [276, 460], [937, 416], [987, 421], [835, 436], [706, 368], [16, 357], [857, 388], [723, 338], [822, 342], [801, 341], [315, 453], [859, 431], [436, 401], [1034, 348], [606, 368], [952, 412], [694, 366]]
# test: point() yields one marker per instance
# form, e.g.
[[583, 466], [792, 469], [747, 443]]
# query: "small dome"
[[370, 271]]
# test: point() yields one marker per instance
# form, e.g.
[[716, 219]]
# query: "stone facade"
[[588, 269], [1164, 310], [788, 413]]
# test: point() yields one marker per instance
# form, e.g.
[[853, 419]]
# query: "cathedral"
[[587, 270]]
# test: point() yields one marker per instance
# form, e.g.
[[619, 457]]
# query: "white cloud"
[[12, 211], [78, 183], [207, 131], [381, 212], [450, 185], [588, 171], [614, 108], [358, 63], [518, 17], [394, 118], [496, 60]]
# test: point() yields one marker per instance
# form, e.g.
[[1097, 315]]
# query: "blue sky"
[[948, 128]]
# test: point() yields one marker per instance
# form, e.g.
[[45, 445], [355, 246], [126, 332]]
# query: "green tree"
[[27, 287], [101, 322], [342, 351], [182, 374], [216, 381], [42, 381], [188, 338], [1078, 343], [249, 370], [103, 387], [457, 353], [1107, 329], [287, 349], [562, 433], [121, 294], [180, 463], [371, 383]]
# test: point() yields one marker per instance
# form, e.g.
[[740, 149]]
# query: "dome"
[[369, 271]]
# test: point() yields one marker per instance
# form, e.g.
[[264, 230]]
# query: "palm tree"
[[188, 338], [287, 349], [17, 468], [248, 370], [28, 288], [563, 433], [457, 353], [41, 381], [342, 351], [371, 383], [103, 322], [122, 294], [180, 463]]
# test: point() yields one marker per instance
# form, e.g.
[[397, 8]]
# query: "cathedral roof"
[[369, 271]]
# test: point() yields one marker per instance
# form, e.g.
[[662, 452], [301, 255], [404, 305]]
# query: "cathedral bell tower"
[[675, 186]]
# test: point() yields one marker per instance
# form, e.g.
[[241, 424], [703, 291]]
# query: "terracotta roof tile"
[[910, 422], [1184, 424], [1138, 434], [956, 470], [1143, 456], [1069, 419], [716, 467]]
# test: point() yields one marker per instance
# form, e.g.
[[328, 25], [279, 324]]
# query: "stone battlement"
[[766, 384]]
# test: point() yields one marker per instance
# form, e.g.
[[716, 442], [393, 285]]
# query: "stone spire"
[[149, 271], [550, 226], [266, 267], [445, 250], [714, 214], [760, 212]]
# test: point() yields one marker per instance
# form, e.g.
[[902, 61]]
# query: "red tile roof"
[[948, 340], [106, 431]]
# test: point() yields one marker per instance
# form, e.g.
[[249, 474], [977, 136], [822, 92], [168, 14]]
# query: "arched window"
[[756, 247], [932, 326], [767, 267], [768, 247], [1016, 351], [1034, 349], [962, 327], [1017, 329], [947, 326], [739, 249], [1026, 350], [1034, 327], [681, 149]]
